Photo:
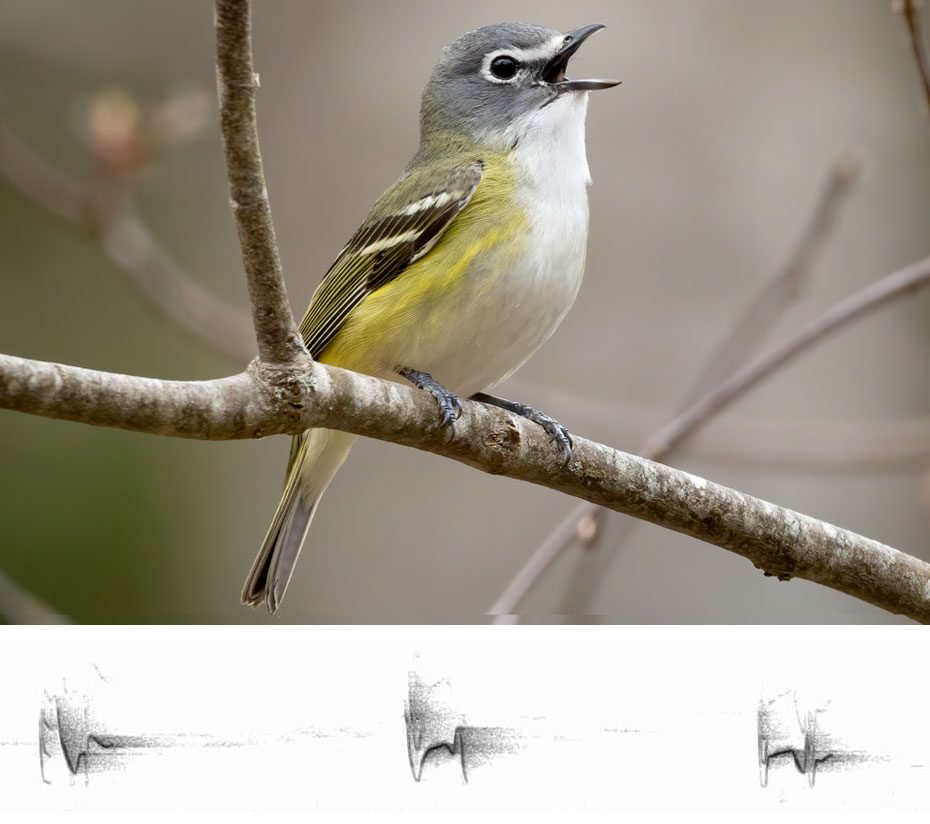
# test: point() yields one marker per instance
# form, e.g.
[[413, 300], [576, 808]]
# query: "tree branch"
[[278, 339], [890, 287], [267, 401]]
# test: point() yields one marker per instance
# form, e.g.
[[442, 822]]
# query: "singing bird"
[[463, 267]]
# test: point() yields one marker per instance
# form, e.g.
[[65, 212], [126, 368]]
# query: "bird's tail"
[[315, 458]]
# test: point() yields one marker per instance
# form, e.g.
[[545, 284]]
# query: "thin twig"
[[891, 287], [129, 244], [506, 608], [585, 525], [279, 342], [910, 11], [274, 400]]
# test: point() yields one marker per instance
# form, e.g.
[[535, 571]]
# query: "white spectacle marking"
[[546, 50], [522, 56], [388, 242]]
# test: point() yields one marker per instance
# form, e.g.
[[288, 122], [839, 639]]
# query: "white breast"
[[554, 175]]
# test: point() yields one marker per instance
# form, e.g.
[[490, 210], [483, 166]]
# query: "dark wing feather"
[[395, 235]]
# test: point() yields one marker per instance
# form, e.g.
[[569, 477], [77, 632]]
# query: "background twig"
[[106, 212], [891, 287], [130, 244], [788, 285], [910, 11], [35, 179]]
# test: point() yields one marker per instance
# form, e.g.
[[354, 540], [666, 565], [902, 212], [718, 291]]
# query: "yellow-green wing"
[[404, 225]]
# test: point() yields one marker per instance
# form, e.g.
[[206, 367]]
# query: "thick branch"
[[266, 401], [224, 409], [276, 333]]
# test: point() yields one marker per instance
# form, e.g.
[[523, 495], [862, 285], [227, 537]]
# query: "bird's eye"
[[504, 67]]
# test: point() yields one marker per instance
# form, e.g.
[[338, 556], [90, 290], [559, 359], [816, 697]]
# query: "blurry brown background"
[[707, 162]]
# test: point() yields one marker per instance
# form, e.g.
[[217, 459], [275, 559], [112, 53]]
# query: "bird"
[[464, 266]]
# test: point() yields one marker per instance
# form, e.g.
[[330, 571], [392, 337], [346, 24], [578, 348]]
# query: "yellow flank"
[[418, 302]]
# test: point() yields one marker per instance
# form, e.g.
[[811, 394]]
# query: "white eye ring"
[[488, 72]]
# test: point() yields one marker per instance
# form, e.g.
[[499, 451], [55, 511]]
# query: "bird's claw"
[[450, 407], [557, 433]]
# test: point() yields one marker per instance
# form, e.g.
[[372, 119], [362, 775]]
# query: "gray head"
[[491, 80]]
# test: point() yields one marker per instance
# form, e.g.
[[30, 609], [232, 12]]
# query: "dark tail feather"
[[275, 561], [315, 458]]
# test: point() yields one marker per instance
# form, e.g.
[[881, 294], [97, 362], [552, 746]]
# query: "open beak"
[[553, 72]]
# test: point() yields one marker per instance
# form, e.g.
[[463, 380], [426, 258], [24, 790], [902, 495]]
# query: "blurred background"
[[708, 163]]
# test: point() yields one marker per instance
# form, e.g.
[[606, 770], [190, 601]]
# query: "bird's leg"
[[557, 433], [449, 404]]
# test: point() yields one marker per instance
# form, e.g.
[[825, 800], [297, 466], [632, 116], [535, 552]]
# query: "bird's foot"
[[557, 433], [449, 404]]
